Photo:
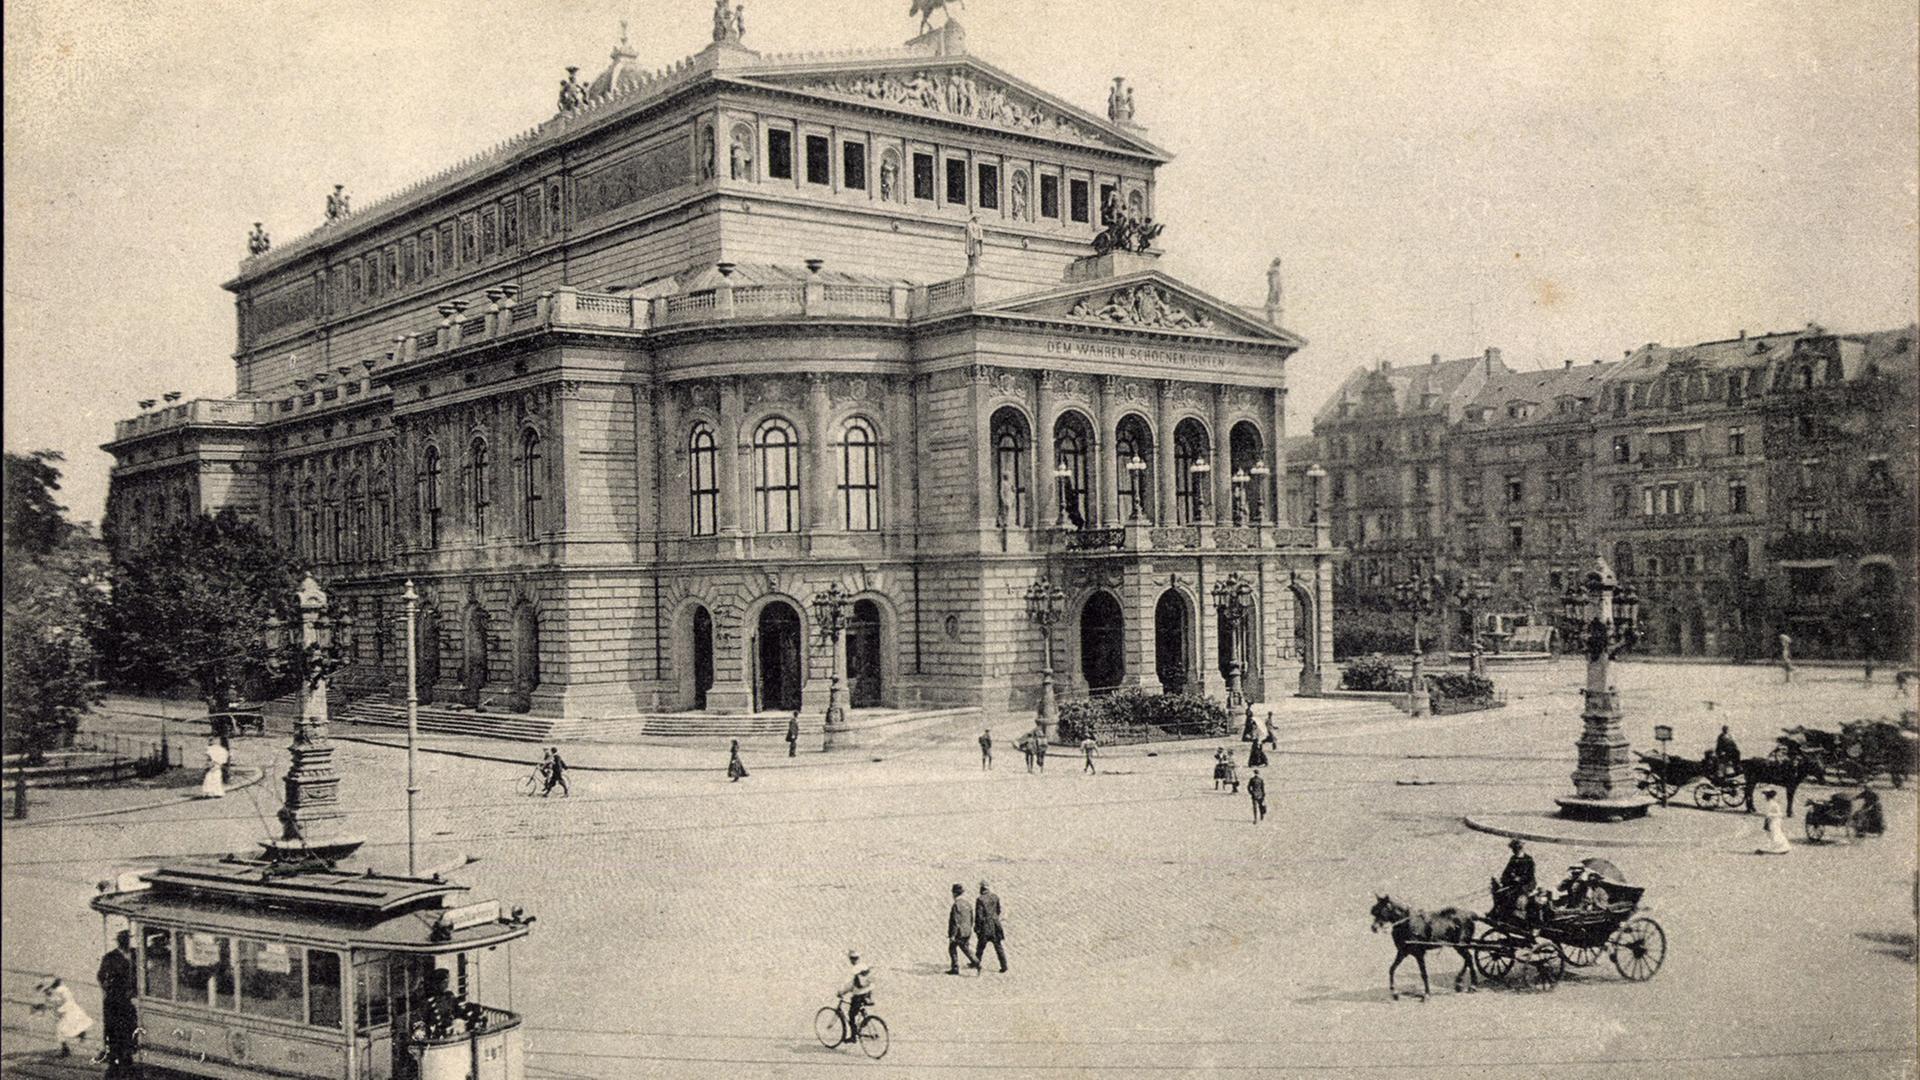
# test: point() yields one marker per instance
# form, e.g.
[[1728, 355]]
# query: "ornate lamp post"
[[1315, 474], [830, 616], [1415, 596], [1062, 477], [1602, 614], [1240, 500], [1044, 601], [1136, 471], [1257, 502], [310, 816], [413, 720], [1197, 474], [1233, 598], [1471, 595]]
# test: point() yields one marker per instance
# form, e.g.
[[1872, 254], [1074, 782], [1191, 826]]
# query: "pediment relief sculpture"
[[1142, 305], [956, 93]]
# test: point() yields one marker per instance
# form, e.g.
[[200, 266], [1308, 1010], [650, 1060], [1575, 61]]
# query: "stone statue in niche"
[[976, 243], [1239, 504], [740, 154], [1004, 510], [258, 241], [889, 178], [708, 153], [1019, 196]]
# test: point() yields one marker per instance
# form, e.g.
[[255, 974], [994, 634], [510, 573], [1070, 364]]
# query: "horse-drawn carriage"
[[1535, 942], [1858, 752], [1857, 816], [1713, 785]]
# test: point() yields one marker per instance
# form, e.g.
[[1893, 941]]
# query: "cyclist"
[[858, 994], [555, 769]]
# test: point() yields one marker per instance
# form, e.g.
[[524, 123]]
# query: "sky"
[[1563, 180]]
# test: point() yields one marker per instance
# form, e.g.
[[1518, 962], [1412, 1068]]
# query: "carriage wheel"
[[1493, 955], [1639, 948], [1658, 787], [1705, 795], [1580, 955], [1541, 967], [1816, 832]]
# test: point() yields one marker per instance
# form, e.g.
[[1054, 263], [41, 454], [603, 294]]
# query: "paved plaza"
[[689, 927]]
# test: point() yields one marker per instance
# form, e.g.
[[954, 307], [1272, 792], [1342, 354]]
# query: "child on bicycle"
[[858, 994]]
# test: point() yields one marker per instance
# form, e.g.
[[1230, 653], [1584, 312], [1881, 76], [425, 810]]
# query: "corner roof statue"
[[925, 9], [258, 241], [729, 24], [337, 203]]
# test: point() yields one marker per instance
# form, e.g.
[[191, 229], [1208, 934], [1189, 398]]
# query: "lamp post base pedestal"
[[1616, 808], [836, 735]]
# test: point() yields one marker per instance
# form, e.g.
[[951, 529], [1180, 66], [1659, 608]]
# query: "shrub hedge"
[[1373, 673], [1131, 716]]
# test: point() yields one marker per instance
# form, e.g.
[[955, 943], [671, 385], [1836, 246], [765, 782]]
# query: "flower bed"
[[1134, 716]]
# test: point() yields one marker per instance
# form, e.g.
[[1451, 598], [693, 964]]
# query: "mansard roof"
[[918, 80], [1574, 382], [1409, 384], [1146, 299]]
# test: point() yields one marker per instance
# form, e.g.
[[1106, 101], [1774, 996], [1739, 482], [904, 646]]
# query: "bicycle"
[[535, 783], [830, 1027]]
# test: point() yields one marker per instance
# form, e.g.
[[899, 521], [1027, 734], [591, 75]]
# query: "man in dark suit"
[[117, 992], [960, 933], [793, 733], [986, 925], [1257, 790]]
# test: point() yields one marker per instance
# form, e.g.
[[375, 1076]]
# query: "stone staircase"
[[1298, 716]]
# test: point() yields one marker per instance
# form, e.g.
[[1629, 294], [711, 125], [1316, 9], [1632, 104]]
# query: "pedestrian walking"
[[1219, 768], [1786, 657], [986, 926], [986, 748], [1257, 791], [793, 733], [226, 765], [960, 932], [1246, 728], [735, 770], [1026, 749], [213, 783], [556, 770], [1040, 748], [117, 991], [1087, 747], [1256, 756], [1776, 816], [1271, 741], [70, 1021]]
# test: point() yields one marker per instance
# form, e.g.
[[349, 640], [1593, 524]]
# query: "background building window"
[[477, 489], [531, 483], [703, 488], [989, 187], [1050, 196], [780, 154], [1077, 201], [923, 176], [860, 477], [956, 182], [819, 160], [1108, 204], [853, 166], [1010, 468], [1736, 496], [777, 477]]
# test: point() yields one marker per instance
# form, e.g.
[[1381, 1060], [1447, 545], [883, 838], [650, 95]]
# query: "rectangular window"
[[853, 166], [156, 962], [780, 154], [323, 988], [1646, 502], [989, 187], [1516, 490], [273, 980], [446, 246], [1108, 203], [510, 223], [1811, 521], [408, 266], [1516, 536], [1077, 201], [555, 201], [819, 160], [489, 233], [533, 215], [370, 992], [1737, 441], [1736, 496], [1050, 197], [1622, 449], [923, 176], [206, 970], [1736, 388], [956, 182], [1420, 479], [469, 241]]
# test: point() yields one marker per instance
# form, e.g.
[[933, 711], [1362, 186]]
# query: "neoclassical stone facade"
[[624, 395]]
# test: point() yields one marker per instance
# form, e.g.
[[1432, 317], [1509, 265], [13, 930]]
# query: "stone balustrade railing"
[[197, 411]]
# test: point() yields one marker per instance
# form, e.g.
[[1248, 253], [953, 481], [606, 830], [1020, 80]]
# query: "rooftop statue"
[[729, 23], [1120, 101], [572, 94], [1124, 231], [925, 9], [258, 241], [337, 204]]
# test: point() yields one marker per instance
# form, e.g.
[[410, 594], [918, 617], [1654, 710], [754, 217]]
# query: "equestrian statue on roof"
[[925, 9]]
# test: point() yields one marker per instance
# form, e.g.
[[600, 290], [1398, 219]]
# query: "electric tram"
[[249, 968]]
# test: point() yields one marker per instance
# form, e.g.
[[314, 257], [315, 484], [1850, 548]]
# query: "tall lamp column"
[[311, 815], [1603, 615], [830, 616], [1233, 598], [413, 723], [1415, 597], [1044, 600]]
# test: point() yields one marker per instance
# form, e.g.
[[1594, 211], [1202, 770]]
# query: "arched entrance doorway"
[[702, 656], [1303, 636], [427, 654], [866, 682], [473, 651], [1103, 643], [1172, 642], [526, 656], [776, 655]]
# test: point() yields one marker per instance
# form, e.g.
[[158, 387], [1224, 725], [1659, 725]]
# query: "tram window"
[[206, 970], [272, 979], [370, 992], [156, 955], [323, 988]]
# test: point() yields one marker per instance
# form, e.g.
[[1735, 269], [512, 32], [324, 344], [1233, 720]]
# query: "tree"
[[191, 606], [35, 524], [52, 578]]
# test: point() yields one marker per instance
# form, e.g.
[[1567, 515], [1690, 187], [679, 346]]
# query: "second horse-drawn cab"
[[248, 968]]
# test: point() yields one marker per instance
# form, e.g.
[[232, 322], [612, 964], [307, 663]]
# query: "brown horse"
[[1415, 932]]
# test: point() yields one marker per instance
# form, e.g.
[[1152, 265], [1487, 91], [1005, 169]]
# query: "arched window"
[[532, 480], [1190, 486], [357, 517], [1009, 430], [1623, 559], [1245, 447], [335, 523], [1071, 443], [860, 476], [430, 496], [703, 485], [776, 454], [310, 503], [1133, 441], [382, 529], [477, 499]]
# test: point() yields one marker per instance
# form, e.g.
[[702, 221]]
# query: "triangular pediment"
[[963, 89], [1146, 300]]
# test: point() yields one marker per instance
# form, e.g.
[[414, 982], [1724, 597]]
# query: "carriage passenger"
[[1516, 882]]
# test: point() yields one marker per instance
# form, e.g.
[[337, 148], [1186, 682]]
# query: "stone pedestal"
[[310, 813], [1604, 781]]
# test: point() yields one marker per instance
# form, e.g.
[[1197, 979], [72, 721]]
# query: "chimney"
[[1435, 360], [1569, 366], [1598, 361], [1626, 353], [1743, 335], [1386, 366], [1493, 360]]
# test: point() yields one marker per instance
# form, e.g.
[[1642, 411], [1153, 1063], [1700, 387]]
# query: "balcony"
[[200, 411]]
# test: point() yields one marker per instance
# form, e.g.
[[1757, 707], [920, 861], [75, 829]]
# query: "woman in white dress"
[[70, 1021], [1776, 818], [213, 785]]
